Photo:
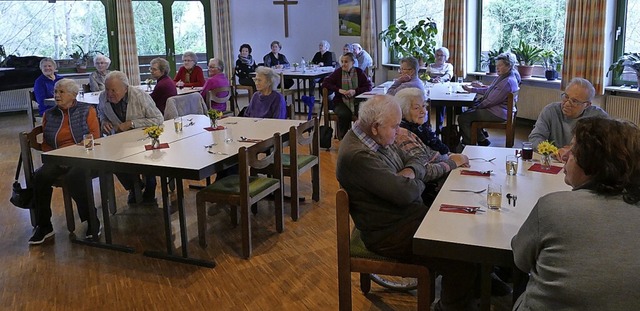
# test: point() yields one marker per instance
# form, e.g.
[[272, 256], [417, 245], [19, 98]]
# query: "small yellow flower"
[[547, 148], [149, 81], [214, 114], [154, 131]]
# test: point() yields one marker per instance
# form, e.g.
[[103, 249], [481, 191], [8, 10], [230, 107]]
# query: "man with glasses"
[[558, 119], [408, 77]]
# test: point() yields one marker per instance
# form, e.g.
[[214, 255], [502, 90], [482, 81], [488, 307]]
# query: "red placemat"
[[475, 173], [162, 146], [462, 209], [220, 127], [538, 168]]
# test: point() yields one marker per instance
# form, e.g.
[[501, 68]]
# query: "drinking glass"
[[228, 136], [511, 165], [81, 93], [460, 80], [494, 196], [177, 124], [527, 151], [87, 141]]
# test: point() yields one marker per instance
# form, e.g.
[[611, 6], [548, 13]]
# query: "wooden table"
[[93, 97], [186, 158], [306, 77], [484, 237]]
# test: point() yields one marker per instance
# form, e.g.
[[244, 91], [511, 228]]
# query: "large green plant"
[[417, 41], [527, 54], [490, 58], [631, 60]]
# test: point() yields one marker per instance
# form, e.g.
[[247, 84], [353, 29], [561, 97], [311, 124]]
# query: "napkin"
[[220, 127], [475, 173], [162, 146], [462, 209], [538, 168]]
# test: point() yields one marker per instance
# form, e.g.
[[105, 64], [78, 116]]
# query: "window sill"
[[536, 81], [622, 89]]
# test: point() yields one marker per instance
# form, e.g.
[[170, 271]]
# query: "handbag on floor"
[[21, 197], [326, 133]]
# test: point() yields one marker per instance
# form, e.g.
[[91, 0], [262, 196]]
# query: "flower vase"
[[214, 123], [155, 142], [546, 161]]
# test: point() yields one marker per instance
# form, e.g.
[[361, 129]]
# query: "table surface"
[[93, 97], [435, 92], [485, 236]]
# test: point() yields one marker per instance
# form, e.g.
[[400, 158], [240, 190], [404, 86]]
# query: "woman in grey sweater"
[[580, 247]]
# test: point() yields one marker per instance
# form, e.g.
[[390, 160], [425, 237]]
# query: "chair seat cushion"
[[358, 249], [231, 185], [302, 160]]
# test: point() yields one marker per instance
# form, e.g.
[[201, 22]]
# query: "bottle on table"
[[303, 64]]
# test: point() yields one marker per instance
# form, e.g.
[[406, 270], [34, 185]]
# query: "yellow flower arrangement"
[[214, 114], [150, 81], [425, 77], [154, 131], [547, 148]]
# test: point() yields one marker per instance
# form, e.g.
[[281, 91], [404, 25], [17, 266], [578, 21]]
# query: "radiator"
[[532, 99], [14, 100], [627, 108]]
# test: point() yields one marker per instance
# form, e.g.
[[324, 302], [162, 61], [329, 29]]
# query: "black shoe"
[[498, 287], [485, 133], [41, 234], [89, 234], [485, 143]]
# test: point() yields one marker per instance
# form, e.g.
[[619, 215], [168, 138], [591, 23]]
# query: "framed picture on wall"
[[349, 17]]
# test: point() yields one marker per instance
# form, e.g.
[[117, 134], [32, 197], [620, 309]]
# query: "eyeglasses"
[[574, 102], [187, 60], [404, 69], [152, 69]]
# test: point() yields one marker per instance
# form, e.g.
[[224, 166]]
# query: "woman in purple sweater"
[[266, 102]]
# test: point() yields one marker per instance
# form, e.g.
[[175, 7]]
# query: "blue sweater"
[[43, 88]]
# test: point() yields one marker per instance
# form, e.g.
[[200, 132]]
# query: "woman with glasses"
[[190, 73], [491, 106], [441, 71], [96, 78], [408, 76]]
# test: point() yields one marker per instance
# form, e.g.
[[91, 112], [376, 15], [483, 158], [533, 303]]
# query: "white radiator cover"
[[621, 107]]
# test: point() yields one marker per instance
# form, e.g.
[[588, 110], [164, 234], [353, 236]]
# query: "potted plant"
[[527, 55], [417, 41], [80, 58], [3, 55], [549, 61], [489, 60], [631, 60]]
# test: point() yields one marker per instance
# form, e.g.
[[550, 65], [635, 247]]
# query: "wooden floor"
[[294, 270]]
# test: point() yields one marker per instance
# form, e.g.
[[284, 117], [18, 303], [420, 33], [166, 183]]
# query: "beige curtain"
[[369, 29], [223, 46], [584, 42], [127, 47], [454, 34]]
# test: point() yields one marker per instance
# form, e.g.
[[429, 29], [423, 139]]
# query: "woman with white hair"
[[441, 71], [414, 118], [324, 57], [491, 106], [43, 87], [266, 102], [96, 78], [190, 73]]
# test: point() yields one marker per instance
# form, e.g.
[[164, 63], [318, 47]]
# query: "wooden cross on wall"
[[285, 4]]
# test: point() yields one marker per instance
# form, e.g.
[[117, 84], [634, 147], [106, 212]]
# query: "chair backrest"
[[86, 88], [325, 106], [305, 134], [512, 109], [33, 106], [343, 228], [285, 93], [262, 157], [371, 73], [212, 97], [29, 140], [184, 104]]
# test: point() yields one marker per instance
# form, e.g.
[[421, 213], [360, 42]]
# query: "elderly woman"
[[579, 246], [266, 102], [346, 82], [96, 78], [324, 57], [165, 87], [440, 71], [408, 76], [245, 65], [217, 79], [275, 59], [190, 73], [348, 48], [492, 105], [414, 118], [63, 125], [43, 87]]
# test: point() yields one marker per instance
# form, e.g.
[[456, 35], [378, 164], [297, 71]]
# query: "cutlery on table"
[[217, 152], [249, 140], [466, 209], [209, 146], [482, 159], [468, 190]]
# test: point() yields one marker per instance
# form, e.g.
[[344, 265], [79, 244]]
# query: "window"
[[412, 11], [628, 39]]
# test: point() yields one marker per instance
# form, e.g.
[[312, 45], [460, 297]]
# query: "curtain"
[[223, 46], [127, 47], [454, 34], [584, 42], [369, 29]]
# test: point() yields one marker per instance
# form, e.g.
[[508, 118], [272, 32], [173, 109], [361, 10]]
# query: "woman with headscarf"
[[245, 65]]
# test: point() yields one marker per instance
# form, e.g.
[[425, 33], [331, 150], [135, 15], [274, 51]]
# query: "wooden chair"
[[247, 188], [28, 141], [295, 163], [86, 88], [329, 116], [236, 87], [354, 257], [212, 97], [33, 110], [285, 93], [509, 125]]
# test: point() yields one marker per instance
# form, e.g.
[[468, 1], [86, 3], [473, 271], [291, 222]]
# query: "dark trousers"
[[288, 83], [345, 116], [76, 182], [248, 82], [128, 182]]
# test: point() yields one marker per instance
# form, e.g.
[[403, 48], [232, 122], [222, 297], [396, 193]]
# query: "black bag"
[[450, 136], [21, 197], [326, 134]]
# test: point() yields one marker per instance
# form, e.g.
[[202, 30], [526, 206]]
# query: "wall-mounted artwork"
[[349, 17]]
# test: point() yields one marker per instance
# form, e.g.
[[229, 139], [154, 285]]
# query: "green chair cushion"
[[358, 249], [302, 159], [231, 185]]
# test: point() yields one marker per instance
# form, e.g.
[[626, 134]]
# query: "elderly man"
[[556, 120], [165, 87], [217, 79], [385, 187], [123, 107], [408, 76], [364, 59]]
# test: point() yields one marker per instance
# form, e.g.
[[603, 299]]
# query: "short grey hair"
[[218, 63], [326, 44], [190, 54], [270, 74], [411, 61], [444, 51], [375, 110], [508, 59], [99, 57], [67, 85], [163, 64], [49, 60], [356, 45], [117, 75], [349, 47], [585, 85], [405, 98]]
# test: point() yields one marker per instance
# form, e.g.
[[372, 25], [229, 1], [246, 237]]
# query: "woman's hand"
[[347, 93], [466, 88], [477, 84], [436, 80]]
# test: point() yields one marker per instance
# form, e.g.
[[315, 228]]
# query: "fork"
[[483, 159], [467, 190], [464, 209], [217, 152]]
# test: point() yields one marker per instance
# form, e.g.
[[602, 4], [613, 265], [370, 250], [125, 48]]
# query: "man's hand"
[[407, 172], [460, 159], [107, 127], [124, 126]]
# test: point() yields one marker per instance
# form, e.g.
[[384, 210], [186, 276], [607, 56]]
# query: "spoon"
[[483, 159]]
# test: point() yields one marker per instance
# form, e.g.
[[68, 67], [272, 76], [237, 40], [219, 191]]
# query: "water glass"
[[511, 165], [87, 141], [460, 80], [494, 196], [177, 124], [527, 151], [81, 93], [228, 136]]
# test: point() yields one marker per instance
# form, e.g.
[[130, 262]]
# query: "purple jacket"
[[270, 106], [164, 89], [495, 95], [219, 80]]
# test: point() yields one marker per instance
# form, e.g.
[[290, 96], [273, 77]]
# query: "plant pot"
[[492, 70], [551, 75], [81, 69], [525, 71]]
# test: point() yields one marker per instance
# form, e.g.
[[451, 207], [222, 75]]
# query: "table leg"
[[485, 286], [520, 280]]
